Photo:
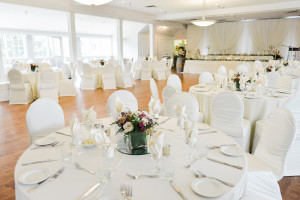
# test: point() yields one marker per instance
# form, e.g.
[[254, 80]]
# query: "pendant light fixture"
[[203, 21], [93, 2]]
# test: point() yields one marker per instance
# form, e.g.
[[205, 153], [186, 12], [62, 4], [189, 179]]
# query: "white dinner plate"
[[208, 187], [46, 141], [279, 95], [34, 176], [202, 89], [252, 97], [201, 86], [231, 150], [202, 126]]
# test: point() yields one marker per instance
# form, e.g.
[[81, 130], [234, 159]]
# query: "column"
[[29, 47], [120, 39], [2, 75], [72, 37], [152, 40]]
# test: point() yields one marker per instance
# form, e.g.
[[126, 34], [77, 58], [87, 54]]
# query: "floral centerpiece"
[[271, 69], [236, 79], [34, 67], [102, 62], [285, 63], [136, 126]]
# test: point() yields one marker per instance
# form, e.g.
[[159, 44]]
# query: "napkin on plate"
[[156, 144], [120, 107], [181, 115], [154, 106], [75, 125], [103, 140], [89, 116]]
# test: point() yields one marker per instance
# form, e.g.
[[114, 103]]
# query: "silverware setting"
[[41, 161], [224, 163], [50, 178], [176, 188], [84, 169], [199, 174], [219, 146], [90, 191], [165, 121], [138, 176], [206, 132], [61, 133], [191, 163], [57, 144]]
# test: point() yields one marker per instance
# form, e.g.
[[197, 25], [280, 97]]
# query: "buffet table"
[[199, 66], [73, 183]]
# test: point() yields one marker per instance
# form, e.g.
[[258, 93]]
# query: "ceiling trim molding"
[[291, 5]]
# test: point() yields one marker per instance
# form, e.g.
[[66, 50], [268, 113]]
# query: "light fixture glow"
[[93, 2], [203, 21]]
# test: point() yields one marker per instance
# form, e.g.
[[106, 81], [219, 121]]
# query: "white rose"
[[128, 127], [145, 121]]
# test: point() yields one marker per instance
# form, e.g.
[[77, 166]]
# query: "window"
[[96, 46], [66, 46], [13, 46], [41, 46]]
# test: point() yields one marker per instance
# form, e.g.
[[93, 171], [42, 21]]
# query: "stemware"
[[77, 141], [156, 156]]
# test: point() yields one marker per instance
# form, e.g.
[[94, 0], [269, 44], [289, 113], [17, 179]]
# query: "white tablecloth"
[[34, 78], [73, 183], [199, 66]]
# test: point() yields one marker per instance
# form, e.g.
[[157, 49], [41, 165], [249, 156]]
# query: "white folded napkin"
[[89, 116], [189, 124], [75, 125], [154, 107], [120, 107], [101, 138], [109, 150], [156, 144], [181, 115], [191, 137]]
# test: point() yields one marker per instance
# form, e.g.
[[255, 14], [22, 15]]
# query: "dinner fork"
[[81, 168], [128, 192], [219, 146], [199, 174], [123, 190], [138, 176]]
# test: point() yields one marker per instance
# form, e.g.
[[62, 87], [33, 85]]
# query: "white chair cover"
[[4, 91], [127, 98], [169, 69], [20, 92], [278, 134], [108, 77], [154, 89], [183, 99], [285, 83], [222, 70], [206, 77], [159, 72], [174, 81], [242, 69], [43, 117], [137, 70], [89, 81], [125, 79], [262, 186], [273, 78], [167, 92], [227, 115], [47, 88], [146, 70]]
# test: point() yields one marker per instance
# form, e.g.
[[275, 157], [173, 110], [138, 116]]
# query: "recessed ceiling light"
[[161, 10]]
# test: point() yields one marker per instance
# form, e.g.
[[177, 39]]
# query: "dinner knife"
[[36, 162], [205, 132], [165, 121], [224, 163], [90, 191], [176, 188], [61, 133]]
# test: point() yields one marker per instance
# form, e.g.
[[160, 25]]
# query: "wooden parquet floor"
[[14, 137]]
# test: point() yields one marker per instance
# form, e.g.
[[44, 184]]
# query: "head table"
[[73, 183]]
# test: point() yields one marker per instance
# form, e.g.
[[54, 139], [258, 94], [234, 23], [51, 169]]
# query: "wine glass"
[[77, 141], [191, 141], [156, 156]]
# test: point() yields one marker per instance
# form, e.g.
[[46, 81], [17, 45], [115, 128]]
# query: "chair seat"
[[262, 186]]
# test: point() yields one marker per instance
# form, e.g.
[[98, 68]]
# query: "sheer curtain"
[[2, 76], [194, 34]]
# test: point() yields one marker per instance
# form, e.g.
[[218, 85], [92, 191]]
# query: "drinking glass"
[[201, 149], [156, 157], [191, 143], [105, 169], [66, 154], [77, 141], [168, 168]]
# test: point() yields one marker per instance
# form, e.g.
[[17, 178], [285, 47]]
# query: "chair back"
[[43, 117], [109, 70], [285, 83], [154, 89], [174, 81], [206, 77], [273, 78], [48, 79], [16, 79], [86, 69], [170, 63], [183, 99], [293, 105], [162, 64], [227, 114], [66, 70], [222, 70], [128, 67], [278, 134], [145, 65], [242, 69], [128, 99], [168, 91]]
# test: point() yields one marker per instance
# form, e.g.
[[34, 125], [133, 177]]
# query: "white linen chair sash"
[[227, 114], [174, 81], [278, 133], [154, 89]]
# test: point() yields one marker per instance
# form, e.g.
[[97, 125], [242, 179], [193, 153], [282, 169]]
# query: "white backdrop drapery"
[[245, 37]]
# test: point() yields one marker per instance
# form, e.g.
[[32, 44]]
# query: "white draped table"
[[199, 66], [73, 183]]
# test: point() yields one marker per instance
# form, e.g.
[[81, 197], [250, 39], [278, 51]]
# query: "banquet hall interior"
[[150, 99]]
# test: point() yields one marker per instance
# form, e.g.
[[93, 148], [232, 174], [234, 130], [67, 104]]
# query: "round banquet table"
[[73, 183], [254, 109]]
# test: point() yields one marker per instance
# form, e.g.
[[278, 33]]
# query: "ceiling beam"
[[284, 6]]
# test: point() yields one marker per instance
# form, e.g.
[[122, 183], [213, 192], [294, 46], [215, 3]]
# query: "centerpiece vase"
[[237, 86], [137, 143]]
